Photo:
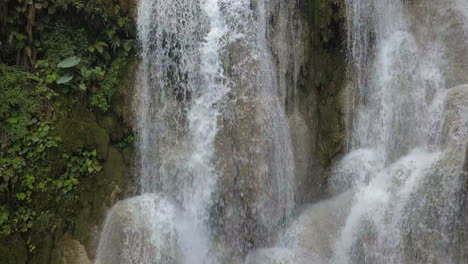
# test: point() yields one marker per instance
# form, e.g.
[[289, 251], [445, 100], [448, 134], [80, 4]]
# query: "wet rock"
[[113, 126], [13, 251], [310, 238], [255, 193], [70, 251], [77, 134], [455, 124], [140, 230], [271, 256]]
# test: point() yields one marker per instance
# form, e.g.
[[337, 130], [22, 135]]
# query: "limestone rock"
[[70, 251], [140, 229], [455, 126]]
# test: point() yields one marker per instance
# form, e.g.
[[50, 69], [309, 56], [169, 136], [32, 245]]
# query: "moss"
[[128, 155], [6, 255], [45, 245], [113, 126], [98, 195], [13, 250], [121, 103], [78, 134]]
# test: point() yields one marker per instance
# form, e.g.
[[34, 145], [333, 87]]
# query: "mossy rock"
[[129, 155], [6, 255], [78, 134], [70, 251], [44, 243], [122, 102], [97, 196], [13, 250], [113, 126]]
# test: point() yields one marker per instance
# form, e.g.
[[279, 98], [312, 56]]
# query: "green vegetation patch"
[[61, 65]]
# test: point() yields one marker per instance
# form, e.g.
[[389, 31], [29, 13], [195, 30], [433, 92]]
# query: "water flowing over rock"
[[140, 230], [237, 128], [404, 173], [213, 137]]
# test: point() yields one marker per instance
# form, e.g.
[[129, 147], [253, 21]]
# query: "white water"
[[401, 66], [395, 195], [181, 95], [181, 86]]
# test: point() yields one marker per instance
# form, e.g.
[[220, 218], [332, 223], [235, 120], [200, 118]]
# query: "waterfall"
[[398, 193], [398, 161], [216, 169], [201, 60]]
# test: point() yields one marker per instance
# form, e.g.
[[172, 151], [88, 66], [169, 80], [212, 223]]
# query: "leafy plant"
[[69, 62], [55, 54]]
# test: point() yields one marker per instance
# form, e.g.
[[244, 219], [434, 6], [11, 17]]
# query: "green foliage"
[[127, 141], [16, 104], [54, 54], [61, 40], [108, 86], [37, 181], [71, 59], [69, 62], [48, 27]]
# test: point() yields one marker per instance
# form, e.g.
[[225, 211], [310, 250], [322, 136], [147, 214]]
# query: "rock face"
[[70, 252], [308, 85], [455, 128], [310, 238], [455, 138]]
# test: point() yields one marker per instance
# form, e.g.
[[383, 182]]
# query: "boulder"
[[87, 134], [70, 251], [140, 230]]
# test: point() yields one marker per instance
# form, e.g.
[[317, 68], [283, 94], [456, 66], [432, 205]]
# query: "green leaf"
[[82, 87], [28, 51], [52, 77], [21, 196], [12, 120], [102, 44], [100, 49], [4, 217], [128, 45], [19, 36], [69, 62], [64, 79], [107, 55], [33, 77]]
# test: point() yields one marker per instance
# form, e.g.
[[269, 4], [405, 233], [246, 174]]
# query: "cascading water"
[[181, 85], [399, 161], [398, 193], [183, 94], [215, 155]]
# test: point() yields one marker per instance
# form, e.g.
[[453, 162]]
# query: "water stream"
[[209, 103], [397, 194], [183, 93]]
